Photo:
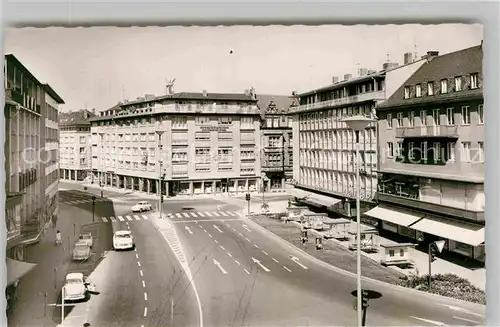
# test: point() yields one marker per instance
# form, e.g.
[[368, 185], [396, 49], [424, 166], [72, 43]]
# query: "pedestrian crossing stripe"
[[120, 218], [193, 214], [223, 214], [104, 219], [185, 214], [112, 219], [177, 215], [137, 217], [128, 218], [145, 217], [201, 214], [208, 214], [216, 214]]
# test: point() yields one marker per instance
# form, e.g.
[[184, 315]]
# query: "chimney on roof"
[[205, 94], [125, 101], [371, 71], [93, 111], [390, 65], [252, 93], [408, 58], [335, 79], [347, 77], [363, 72], [149, 96], [85, 114], [294, 93]]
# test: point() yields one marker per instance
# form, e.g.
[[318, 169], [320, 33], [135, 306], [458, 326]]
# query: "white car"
[[142, 206], [74, 287], [123, 240], [86, 238]]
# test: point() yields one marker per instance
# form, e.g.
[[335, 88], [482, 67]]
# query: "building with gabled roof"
[[431, 145]]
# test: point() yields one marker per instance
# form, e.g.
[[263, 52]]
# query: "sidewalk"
[[420, 259], [30, 308]]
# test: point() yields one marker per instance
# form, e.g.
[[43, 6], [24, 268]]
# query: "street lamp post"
[[62, 306], [160, 162], [93, 208], [102, 164], [358, 124]]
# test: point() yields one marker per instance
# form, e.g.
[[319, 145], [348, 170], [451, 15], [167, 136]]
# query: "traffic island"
[[332, 253]]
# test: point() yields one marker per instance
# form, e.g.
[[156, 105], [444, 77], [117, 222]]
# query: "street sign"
[[440, 245], [369, 294]]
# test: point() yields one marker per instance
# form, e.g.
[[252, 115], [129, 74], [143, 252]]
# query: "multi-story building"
[[25, 156], [276, 140], [75, 153], [324, 156], [431, 174], [50, 164], [190, 142]]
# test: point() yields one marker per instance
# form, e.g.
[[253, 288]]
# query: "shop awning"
[[17, 269], [454, 230], [395, 215], [314, 198]]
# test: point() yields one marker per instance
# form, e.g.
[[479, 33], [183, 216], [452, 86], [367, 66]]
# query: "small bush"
[[449, 285]]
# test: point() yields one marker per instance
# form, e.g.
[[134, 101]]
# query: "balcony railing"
[[427, 131], [378, 95]]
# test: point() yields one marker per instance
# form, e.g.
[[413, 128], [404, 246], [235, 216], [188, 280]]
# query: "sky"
[[96, 67]]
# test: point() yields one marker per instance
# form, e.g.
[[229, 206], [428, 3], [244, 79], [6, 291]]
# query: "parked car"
[[74, 287], [123, 240], [142, 206], [86, 238], [81, 252]]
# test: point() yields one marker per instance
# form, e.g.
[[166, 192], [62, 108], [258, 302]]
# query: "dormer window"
[[418, 90], [458, 83], [430, 88], [474, 81], [407, 92], [444, 86]]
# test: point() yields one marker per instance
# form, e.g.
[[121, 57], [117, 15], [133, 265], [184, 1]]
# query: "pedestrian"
[[58, 238]]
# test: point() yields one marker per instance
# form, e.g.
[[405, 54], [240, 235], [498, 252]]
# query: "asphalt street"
[[243, 276]]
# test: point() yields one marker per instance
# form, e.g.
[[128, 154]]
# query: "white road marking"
[[217, 228], [138, 263], [222, 213], [143, 284], [217, 263], [145, 296], [217, 242], [145, 311], [246, 227], [215, 214], [178, 215], [264, 252], [256, 246], [200, 226], [129, 218], [222, 248], [185, 214], [145, 217], [128, 227], [209, 235], [468, 320], [237, 262], [275, 260], [113, 219], [437, 323], [260, 264], [247, 271], [287, 269], [240, 234], [126, 223], [104, 219], [229, 254], [246, 238], [208, 214], [296, 260], [137, 217], [229, 213], [140, 272], [200, 214], [205, 230], [459, 309], [193, 214], [137, 256], [189, 230], [120, 218]]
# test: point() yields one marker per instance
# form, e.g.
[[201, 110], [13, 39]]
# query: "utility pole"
[[160, 148], [101, 183], [434, 247], [93, 208]]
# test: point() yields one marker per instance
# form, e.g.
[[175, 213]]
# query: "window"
[[225, 155], [450, 151], [180, 156], [225, 120], [246, 122], [82, 139], [437, 151], [274, 141], [143, 137], [389, 120], [474, 81], [450, 118], [430, 88], [202, 155], [179, 122], [411, 118], [179, 138], [246, 154], [418, 90], [411, 148], [83, 161], [400, 119], [424, 150], [423, 117], [202, 136], [151, 136], [225, 136], [390, 149], [480, 114], [444, 86], [436, 113], [480, 151], [465, 115], [202, 120], [466, 151], [458, 83], [407, 92], [399, 151]]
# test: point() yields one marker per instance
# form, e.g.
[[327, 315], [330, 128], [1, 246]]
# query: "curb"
[[350, 274]]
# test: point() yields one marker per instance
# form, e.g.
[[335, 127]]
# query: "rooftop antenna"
[[170, 85], [415, 48], [388, 56], [359, 71]]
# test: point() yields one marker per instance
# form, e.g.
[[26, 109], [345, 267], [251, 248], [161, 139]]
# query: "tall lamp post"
[[160, 162], [102, 164], [358, 124]]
